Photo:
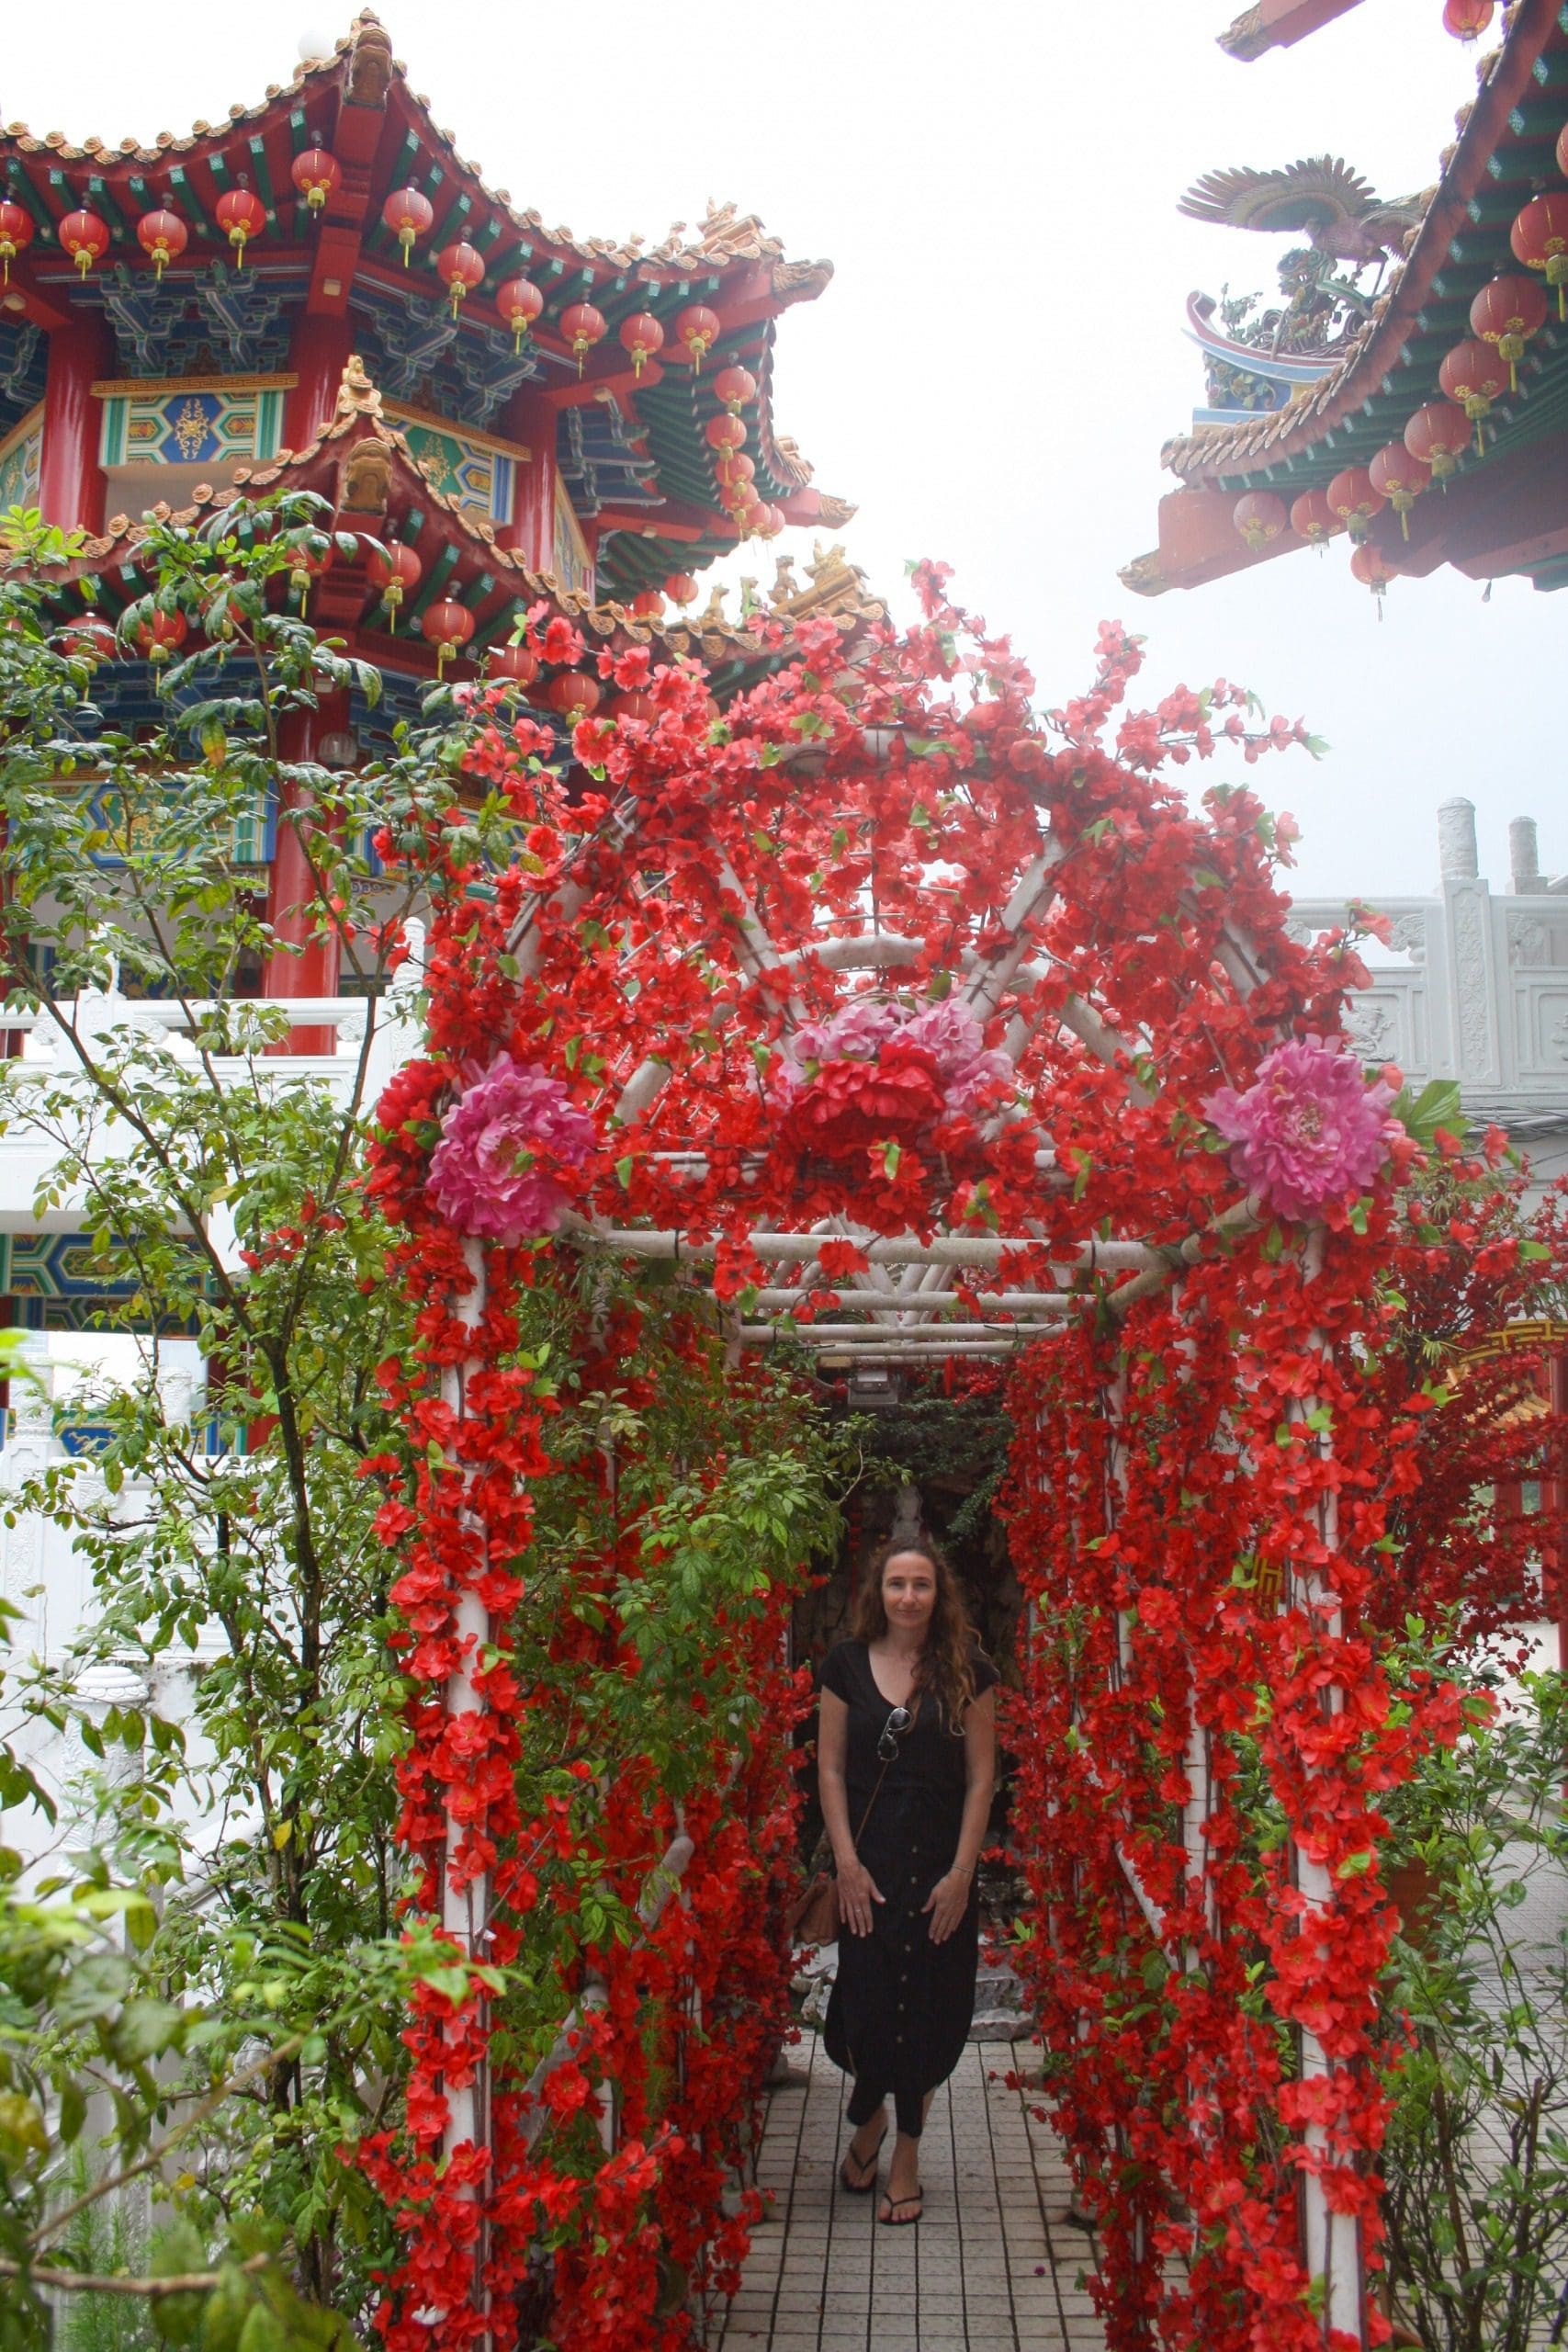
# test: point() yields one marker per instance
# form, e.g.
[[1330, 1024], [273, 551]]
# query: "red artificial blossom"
[[1207, 1462]]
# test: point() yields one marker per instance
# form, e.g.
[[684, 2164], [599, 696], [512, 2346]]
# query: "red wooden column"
[[529, 417], [314, 970], [319, 351], [71, 481]]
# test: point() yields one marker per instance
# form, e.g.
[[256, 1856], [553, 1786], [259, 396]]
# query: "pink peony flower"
[[950, 1032], [859, 1030], [1308, 1131], [856, 1032], [492, 1174]]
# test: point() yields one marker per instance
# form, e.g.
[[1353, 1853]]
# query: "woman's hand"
[[857, 1892], [947, 1903]]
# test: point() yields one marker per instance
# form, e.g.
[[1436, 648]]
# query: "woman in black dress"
[[907, 1755]]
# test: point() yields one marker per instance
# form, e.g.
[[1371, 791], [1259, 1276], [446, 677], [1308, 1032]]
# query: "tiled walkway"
[[992, 2266]]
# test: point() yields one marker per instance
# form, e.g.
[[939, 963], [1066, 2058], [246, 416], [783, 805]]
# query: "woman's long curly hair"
[[946, 1667]]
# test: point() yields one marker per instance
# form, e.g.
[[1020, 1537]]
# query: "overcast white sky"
[[1002, 353]]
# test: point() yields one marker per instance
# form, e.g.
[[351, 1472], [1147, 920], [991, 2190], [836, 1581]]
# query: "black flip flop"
[[863, 2188], [888, 2219]]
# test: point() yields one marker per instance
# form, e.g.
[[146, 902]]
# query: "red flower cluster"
[[850, 1105]]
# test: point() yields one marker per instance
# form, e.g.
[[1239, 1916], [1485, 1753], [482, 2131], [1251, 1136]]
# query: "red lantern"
[[241, 215], [1563, 151], [409, 216], [633, 706], [572, 695], [395, 573], [1400, 478], [724, 434], [735, 470], [750, 519], [84, 237], [15, 230], [90, 641], [1474, 375], [1373, 570], [1539, 239], [446, 626], [1507, 311], [1355, 498], [519, 301], [160, 634], [642, 335], [696, 330], [1259, 517], [648, 604], [582, 326], [1466, 18], [317, 176], [1439, 437], [682, 589], [162, 237], [517, 663], [460, 270], [1312, 518], [736, 386], [771, 524]]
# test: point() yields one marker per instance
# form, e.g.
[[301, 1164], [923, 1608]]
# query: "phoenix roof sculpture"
[[1336, 208]]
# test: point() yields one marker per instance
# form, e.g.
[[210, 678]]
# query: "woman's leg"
[[867, 2110], [901, 2200]]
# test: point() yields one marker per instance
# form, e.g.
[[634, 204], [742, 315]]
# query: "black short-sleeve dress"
[[902, 2005]]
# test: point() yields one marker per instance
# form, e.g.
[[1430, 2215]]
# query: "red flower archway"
[[902, 1018]]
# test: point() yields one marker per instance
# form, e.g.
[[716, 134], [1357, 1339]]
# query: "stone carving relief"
[[1408, 933], [1467, 918], [1527, 940], [1374, 1028]]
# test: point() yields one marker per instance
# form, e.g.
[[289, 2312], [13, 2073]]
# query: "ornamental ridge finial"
[[356, 395]]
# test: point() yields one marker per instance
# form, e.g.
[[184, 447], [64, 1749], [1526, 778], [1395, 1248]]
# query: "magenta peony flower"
[[1309, 1130], [491, 1175]]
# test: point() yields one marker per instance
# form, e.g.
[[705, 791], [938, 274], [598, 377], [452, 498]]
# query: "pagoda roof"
[[1278, 24], [379, 488], [1502, 155], [362, 70], [632, 449]]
